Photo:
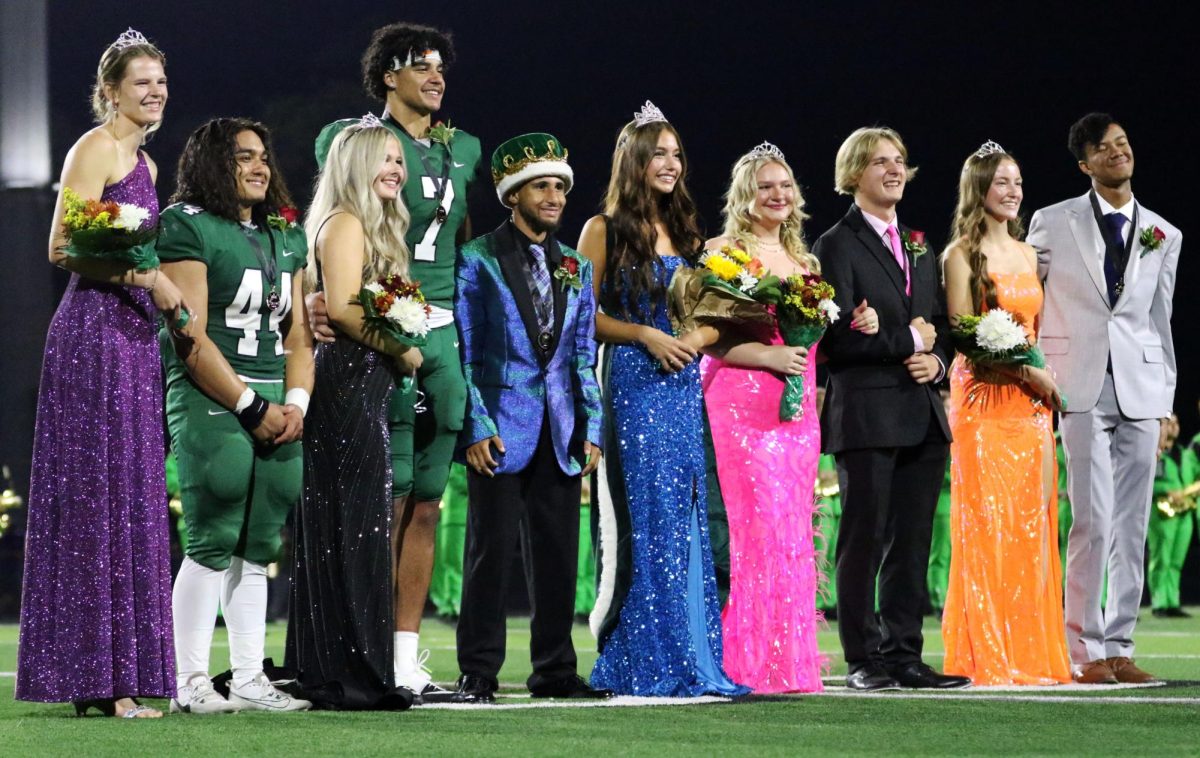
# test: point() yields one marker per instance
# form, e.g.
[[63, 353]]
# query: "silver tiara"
[[988, 148], [648, 115], [129, 38], [765, 150], [369, 121]]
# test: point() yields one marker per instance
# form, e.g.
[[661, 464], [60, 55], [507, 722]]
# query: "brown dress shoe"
[[1127, 673], [1096, 672]]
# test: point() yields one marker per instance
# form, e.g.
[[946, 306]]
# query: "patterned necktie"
[[1114, 251], [543, 302], [901, 259]]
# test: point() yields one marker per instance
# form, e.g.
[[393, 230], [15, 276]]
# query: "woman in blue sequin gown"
[[657, 618]]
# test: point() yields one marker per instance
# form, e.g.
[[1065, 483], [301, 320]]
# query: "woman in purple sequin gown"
[[96, 604]]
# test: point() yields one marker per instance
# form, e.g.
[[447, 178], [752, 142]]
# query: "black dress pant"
[[889, 496], [540, 507]]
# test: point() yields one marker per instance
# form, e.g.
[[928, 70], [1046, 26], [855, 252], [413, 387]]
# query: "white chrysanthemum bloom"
[[409, 315], [997, 331], [830, 309], [748, 282], [374, 288], [131, 217]]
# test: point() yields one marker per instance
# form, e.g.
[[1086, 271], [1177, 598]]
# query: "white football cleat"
[[260, 695], [198, 696]]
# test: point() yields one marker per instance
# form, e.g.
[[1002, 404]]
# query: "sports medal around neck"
[[269, 264], [284, 220]]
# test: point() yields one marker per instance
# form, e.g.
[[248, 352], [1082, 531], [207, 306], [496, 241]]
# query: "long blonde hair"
[[739, 210], [970, 223], [345, 184]]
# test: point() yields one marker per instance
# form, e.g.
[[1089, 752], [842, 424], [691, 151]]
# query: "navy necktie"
[[1114, 249]]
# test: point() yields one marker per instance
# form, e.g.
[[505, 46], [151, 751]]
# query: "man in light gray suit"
[[1108, 266]]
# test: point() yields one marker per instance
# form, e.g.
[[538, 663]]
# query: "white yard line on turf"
[[966, 695], [621, 701]]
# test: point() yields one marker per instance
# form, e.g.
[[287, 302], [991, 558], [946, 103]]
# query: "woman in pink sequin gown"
[[96, 597], [767, 468]]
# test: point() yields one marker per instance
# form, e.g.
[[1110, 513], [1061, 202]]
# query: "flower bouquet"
[[733, 286], [996, 338], [396, 308], [106, 230], [728, 285], [804, 310]]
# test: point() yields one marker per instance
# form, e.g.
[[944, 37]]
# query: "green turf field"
[[1154, 721]]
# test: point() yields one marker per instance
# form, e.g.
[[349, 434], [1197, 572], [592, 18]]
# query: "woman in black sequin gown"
[[341, 621]]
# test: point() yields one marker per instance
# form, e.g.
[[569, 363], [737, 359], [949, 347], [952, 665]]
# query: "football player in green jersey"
[[404, 66], [238, 382]]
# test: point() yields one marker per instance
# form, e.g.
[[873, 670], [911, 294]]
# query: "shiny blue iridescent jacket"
[[513, 386]]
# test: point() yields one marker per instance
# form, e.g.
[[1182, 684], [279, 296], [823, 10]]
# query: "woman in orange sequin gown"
[[1003, 620]]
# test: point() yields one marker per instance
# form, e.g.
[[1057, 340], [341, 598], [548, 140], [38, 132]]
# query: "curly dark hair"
[[1088, 130], [395, 41], [207, 173], [631, 207]]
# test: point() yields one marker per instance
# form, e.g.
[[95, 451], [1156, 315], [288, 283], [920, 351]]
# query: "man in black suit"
[[883, 419]]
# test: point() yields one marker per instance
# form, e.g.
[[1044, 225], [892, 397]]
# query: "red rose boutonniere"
[[1151, 238], [285, 219], [914, 242], [568, 272]]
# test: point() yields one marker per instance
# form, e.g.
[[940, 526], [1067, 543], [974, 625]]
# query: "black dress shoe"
[[871, 678], [1161, 613], [920, 676], [571, 687], [474, 689], [1178, 613]]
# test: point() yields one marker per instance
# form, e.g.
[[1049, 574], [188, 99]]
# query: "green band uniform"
[[1168, 537], [825, 529], [937, 576], [236, 496]]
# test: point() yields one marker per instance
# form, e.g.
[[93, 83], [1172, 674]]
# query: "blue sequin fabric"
[[667, 637]]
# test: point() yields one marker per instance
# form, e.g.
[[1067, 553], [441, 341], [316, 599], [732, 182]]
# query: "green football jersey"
[[431, 242], [241, 321]]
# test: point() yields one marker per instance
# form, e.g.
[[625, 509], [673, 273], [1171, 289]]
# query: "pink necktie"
[[901, 258]]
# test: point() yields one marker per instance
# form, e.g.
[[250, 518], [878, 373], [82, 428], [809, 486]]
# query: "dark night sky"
[[802, 75]]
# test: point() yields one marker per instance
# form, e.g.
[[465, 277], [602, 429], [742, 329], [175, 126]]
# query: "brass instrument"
[[9, 499], [1183, 502], [827, 490]]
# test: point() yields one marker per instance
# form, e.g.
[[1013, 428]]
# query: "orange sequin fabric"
[[1003, 620]]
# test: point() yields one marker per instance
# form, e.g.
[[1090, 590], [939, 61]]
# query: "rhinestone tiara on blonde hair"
[[369, 121], [130, 38], [988, 148], [764, 150], [649, 114]]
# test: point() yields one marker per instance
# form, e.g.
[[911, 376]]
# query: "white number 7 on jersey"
[[427, 248]]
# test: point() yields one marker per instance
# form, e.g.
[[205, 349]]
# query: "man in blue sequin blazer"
[[526, 318]]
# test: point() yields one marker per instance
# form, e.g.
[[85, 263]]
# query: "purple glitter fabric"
[[96, 603]]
